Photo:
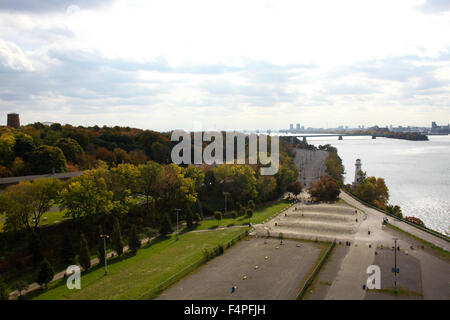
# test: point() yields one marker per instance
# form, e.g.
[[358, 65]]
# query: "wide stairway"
[[323, 222]]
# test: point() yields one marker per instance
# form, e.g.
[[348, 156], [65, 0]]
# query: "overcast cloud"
[[229, 64]]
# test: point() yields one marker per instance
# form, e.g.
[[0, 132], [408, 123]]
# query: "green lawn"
[[259, 215], [52, 217], [134, 275]]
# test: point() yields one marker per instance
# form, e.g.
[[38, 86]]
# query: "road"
[[377, 216]]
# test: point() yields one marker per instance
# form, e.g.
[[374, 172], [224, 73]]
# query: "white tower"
[[357, 171]]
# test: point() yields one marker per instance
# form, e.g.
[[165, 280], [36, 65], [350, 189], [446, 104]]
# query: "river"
[[417, 173]]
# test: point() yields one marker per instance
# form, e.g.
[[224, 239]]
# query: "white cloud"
[[12, 57], [228, 62]]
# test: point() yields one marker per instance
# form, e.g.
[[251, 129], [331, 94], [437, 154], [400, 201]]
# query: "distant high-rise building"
[[291, 127], [297, 127], [13, 120]]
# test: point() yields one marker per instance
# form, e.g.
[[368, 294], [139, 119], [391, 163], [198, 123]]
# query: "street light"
[[395, 264], [105, 236], [177, 211]]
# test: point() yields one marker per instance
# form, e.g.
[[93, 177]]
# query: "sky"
[[170, 64]]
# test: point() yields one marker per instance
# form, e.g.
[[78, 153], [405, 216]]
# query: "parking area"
[[258, 268]]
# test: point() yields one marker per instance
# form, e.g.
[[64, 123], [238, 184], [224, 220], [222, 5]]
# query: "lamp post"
[[105, 236], [395, 264], [177, 211]]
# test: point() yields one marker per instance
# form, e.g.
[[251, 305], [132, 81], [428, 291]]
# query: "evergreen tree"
[[101, 248], [67, 250], [45, 274], [189, 218], [117, 242], [166, 225], [133, 242], [83, 255]]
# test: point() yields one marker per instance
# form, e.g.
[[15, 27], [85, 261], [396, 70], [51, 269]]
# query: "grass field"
[[133, 275], [259, 215], [51, 218]]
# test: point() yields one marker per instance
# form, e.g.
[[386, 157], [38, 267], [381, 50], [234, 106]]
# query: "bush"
[[234, 214], [416, 221]]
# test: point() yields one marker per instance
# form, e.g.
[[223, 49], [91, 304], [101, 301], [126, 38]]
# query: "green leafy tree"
[[234, 214], [46, 158], [7, 143], [26, 202], [24, 145], [45, 274], [83, 255], [87, 195], [133, 242], [149, 178], [71, 149], [117, 241]]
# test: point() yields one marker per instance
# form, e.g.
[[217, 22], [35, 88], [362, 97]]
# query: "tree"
[[218, 216], [116, 241], [251, 204], [46, 158], [133, 242], [45, 274], [395, 210], [71, 149], [24, 145], [295, 188], [266, 185], [326, 189], [83, 255], [4, 290], [189, 218], [166, 225], [7, 142], [234, 214], [67, 250], [87, 195], [149, 178], [26, 202]]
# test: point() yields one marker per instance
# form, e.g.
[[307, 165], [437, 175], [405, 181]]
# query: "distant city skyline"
[[228, 65]]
